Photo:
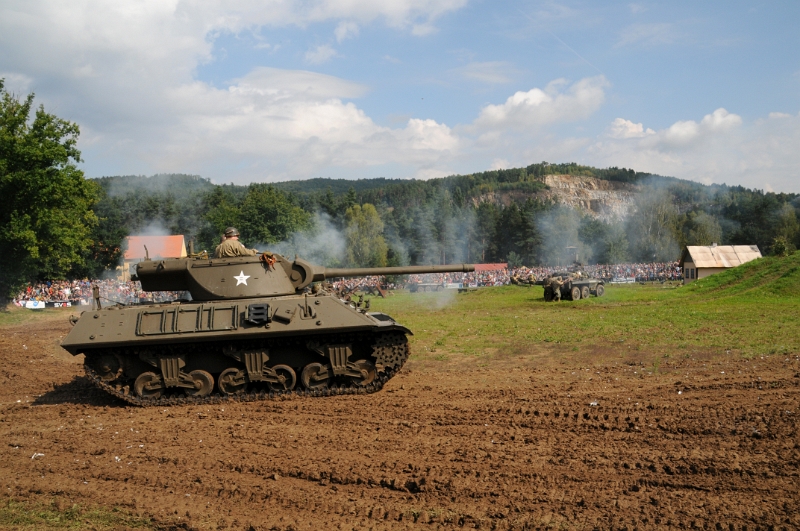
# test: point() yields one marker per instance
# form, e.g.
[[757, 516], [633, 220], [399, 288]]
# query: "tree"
[[653, 227], [364, 234], [704, 229], [46, 219], [268, 215]]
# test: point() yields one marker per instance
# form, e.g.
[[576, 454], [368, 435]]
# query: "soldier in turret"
[[231, 246]]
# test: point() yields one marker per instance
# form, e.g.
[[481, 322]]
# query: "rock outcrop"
[[603, 199]]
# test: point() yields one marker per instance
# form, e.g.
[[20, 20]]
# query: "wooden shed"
[[699, 261]]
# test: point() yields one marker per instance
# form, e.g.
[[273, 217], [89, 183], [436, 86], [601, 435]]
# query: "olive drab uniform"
[[555, 286], [232, 247], [96, 296]]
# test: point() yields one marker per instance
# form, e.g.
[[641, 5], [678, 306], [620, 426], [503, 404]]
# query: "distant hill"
[[336, 186]]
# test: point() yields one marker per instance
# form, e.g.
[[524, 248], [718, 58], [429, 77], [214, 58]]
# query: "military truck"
[[574, 286]]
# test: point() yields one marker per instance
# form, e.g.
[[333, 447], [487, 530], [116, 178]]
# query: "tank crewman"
[[231, 246], [96, 296]]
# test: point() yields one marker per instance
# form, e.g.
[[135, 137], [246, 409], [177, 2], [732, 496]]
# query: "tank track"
[[389, 349]]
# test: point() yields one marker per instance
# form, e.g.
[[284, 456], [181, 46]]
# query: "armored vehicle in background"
[[574, 286], [414, 287], [251, 330]]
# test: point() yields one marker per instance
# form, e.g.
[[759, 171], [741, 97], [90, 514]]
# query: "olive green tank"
[[252, 330]]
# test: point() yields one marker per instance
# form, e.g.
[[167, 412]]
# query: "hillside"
[[771, 276]]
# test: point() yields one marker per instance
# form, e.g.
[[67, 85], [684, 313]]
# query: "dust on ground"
[[511, 444]]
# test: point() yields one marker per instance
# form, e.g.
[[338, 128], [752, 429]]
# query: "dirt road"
[[514, 444]]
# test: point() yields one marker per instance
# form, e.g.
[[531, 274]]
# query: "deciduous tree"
[[46, 218]]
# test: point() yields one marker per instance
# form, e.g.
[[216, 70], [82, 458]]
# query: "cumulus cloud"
[[345, 30], [537, 107], [321, 54], [719, 148], [127, 73], [622, 128]]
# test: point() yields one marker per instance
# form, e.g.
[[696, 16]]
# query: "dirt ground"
[[522, 443]]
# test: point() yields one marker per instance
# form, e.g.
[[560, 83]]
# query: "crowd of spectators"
[[645, 272], [79, 292]]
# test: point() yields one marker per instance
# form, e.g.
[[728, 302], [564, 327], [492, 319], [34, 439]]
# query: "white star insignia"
[[241, 278]]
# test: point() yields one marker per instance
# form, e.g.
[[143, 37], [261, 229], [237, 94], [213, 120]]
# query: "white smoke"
[[323, 244]]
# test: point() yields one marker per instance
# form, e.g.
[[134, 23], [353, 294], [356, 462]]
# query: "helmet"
[[231, 231]]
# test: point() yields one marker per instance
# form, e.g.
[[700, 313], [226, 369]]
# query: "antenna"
[[146, 253]]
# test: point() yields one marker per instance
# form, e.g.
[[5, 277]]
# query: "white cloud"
[[491, 72], [16, 83], [621, 128], [345, 30], [719, 148], [537, 107], [321, 54], [126, 73]]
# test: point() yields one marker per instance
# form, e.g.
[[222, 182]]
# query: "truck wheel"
[[585, 292], [576, 293], [600, 290]]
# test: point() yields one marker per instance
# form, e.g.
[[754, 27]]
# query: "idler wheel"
[[149, 385], [285, 378], [316, 376], [203, 383], [367, 370], [231, 381], [108, 367]]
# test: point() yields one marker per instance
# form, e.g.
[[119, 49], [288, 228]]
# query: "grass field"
[[749, 311]]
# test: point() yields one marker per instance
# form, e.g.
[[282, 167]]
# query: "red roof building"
[[157, 247], [490, 267]]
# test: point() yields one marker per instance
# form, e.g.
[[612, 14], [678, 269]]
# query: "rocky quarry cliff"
[[606, 200]]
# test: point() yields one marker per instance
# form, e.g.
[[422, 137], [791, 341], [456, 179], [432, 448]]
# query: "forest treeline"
[[57, 224], [372, 222]]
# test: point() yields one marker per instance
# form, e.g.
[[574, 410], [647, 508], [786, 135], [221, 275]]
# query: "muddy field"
[[533, 442]]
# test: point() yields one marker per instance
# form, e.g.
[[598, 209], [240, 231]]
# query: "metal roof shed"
[[700, 261]]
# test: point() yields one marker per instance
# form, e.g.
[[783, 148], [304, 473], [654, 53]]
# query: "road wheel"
[[576, 293], [316, 376], [585, 292], [149, 385], [285, 378], [231, 381], [368, 373], [203, 383], [600, 290]]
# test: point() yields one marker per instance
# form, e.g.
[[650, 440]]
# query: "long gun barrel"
[[254, 276], [326, 273]]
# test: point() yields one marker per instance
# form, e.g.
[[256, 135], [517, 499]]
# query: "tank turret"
[[250, 329], [264, 275]]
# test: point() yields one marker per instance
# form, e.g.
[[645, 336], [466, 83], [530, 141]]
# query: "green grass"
[[13, 315], [748, 311], [22, 515]]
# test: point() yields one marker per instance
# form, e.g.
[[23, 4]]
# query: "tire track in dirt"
[[482, 448]]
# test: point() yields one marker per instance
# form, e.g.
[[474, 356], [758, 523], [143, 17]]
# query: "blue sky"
[[246, 90]]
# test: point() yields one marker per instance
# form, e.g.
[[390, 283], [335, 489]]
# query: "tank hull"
[[259, 347]]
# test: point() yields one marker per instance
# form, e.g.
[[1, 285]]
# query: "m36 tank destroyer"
[[251, 330]]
